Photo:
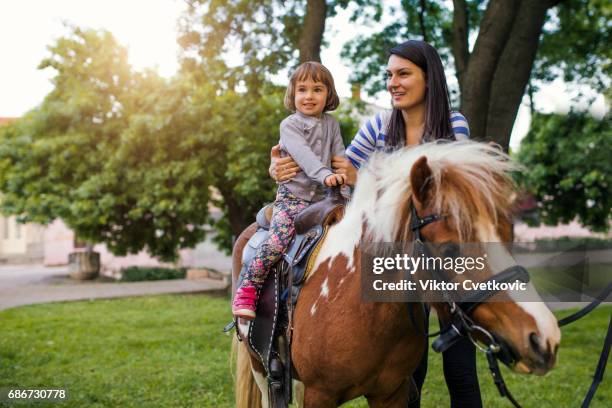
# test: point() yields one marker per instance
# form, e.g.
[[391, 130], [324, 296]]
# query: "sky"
[[149, 29]]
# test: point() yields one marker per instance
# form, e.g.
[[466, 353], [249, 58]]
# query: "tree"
[[570, 172], [270, 35], [494, 75], [131, 160], [80, 155], [312, 31], [135, 161]]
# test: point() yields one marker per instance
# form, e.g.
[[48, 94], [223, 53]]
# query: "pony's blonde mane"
[[472, 185]]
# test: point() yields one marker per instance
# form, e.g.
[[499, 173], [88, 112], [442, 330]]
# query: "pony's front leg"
[[316, 398]]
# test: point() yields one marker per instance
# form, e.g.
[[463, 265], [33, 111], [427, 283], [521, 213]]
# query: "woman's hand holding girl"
[[281, 168]]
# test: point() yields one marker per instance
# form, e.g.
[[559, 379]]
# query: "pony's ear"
[[421, 181]]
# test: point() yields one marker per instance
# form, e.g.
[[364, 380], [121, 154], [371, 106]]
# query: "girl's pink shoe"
[[245, 302]]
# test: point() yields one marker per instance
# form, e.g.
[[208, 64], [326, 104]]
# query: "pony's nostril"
[[534, 341]]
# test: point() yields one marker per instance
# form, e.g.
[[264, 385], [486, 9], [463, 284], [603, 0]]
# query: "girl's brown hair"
[[317, 73]]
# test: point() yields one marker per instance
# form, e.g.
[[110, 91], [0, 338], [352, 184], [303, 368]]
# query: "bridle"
[[461, 323]]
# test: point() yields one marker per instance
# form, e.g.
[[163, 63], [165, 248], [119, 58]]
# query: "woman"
[[421, 112]]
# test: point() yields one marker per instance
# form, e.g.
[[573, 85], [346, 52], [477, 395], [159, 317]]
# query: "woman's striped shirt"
[[371, 136]]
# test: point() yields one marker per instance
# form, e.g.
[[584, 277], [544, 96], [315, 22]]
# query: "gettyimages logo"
[[412, 264], [392, 272]]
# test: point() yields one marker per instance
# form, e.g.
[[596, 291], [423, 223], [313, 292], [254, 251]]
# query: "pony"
[[344, 347]]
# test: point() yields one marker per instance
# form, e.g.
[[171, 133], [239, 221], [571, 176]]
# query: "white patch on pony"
[[341, 239], [549, 332], [499, 259], [243, 327], [324, 293], [262, 384], [324, 289], [313, 308]]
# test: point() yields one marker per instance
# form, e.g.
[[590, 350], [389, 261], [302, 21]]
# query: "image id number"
[[12, 394]]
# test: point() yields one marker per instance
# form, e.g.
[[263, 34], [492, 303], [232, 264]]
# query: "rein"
[[462, 325]]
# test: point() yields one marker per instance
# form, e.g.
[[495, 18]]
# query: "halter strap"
[[511, 274], [417, 222]]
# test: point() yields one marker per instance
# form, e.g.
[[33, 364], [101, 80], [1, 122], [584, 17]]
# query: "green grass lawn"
[[168, 351]]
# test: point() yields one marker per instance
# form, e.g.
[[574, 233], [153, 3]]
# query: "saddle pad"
[[251, 247], [313, 255]]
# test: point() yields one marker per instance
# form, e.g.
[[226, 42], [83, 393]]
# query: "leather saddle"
[[269, 335]]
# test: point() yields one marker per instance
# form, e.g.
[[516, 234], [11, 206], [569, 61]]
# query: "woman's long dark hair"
[[437, 100]]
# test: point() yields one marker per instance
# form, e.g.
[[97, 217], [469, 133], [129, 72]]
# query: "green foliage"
[[106, 153], [265, 33], [249, 130], [368, 54], [209, 29], [576, 43], [347, 115], [141, 273], [590, 243], [569, 169], [562, 244], [134, 161]]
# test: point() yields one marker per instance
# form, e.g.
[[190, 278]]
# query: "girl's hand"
[[344, 167], [281, 169], [335, 180]]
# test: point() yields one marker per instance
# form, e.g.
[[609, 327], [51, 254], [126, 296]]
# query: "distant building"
[[19, 243], [59, 241]]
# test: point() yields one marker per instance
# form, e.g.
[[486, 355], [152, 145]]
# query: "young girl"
[[311, 137]]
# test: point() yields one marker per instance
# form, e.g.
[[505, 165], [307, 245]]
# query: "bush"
[[138, 273]]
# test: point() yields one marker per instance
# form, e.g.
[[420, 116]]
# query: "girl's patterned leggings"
[[286, 208]]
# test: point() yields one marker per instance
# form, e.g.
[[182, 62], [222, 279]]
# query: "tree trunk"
[[312, 31], [460, 48], [238, 218], [498, 70], [495, 30], [514, 69]]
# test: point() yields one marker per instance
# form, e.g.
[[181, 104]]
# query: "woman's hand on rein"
[[343, 166], [281, 168]]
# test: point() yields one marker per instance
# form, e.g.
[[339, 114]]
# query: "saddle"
[[325, 212], [269, 335]]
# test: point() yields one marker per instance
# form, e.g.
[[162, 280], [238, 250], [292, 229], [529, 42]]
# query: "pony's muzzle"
[[540, 357]]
